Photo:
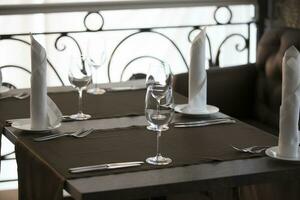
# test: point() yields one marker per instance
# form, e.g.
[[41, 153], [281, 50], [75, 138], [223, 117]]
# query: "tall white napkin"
[[43, 111], [197, 75], [289, 109]]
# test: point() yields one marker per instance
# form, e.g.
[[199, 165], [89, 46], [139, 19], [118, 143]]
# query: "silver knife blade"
[[106, 165], [125, 88], [204, 124], [202, 121], [103, 167]]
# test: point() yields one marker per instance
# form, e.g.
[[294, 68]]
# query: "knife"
[[105, 167], [125, 88], [202, 121], [204, 124]]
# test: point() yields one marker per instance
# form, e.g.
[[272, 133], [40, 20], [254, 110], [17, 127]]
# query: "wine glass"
[[159, 115], [79, 76], [159, 73], [159, 76], [96, 58]]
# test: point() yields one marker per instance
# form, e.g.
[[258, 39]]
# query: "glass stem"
[[158, 107], [95, 75], [80, 101], [157, 144]]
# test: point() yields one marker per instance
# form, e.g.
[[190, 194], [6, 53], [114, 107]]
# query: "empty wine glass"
[[159, 76], [96, 58], [159, 115], [79, 76]]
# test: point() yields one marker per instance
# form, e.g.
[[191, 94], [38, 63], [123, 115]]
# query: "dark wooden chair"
[[251, 93]]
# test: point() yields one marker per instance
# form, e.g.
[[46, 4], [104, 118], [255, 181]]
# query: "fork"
[[77, 134], [21, 95], [252, 149], [85, 133]]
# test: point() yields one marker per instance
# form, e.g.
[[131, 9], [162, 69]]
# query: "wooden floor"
[[9, 195], [13, 195]]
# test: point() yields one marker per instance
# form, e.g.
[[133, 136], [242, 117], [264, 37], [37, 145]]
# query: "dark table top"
[[197, 177]]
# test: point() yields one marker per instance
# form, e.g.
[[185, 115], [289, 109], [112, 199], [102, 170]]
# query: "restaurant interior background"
[[132, 39]]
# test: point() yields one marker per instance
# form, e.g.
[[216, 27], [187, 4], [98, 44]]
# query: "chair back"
[[270, 51]]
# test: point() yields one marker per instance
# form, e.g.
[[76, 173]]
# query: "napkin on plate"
[[43, 111], [290, 104], [197, 75]]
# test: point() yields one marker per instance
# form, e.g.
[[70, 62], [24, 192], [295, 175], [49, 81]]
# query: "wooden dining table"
[[202, 157]]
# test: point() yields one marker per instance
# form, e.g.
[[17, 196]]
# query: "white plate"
[[209, 110], [25, 125], [3, 89], [125, 85], [273, 152]]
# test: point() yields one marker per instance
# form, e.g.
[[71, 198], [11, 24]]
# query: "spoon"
[[252, 149]]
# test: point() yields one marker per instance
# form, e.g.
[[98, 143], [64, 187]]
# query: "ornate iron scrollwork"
[[238, 46], [219, 9], [10, 37], [214, 60], [85, 21], [137, 33], [136, 59]]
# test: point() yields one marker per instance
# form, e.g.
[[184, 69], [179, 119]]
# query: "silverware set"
[[110, 166], [204, 122], [77, 134], [83, 133]]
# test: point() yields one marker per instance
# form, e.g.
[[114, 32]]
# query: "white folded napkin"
[[290, 105], [43, 111], [197, 75], [54, 114]]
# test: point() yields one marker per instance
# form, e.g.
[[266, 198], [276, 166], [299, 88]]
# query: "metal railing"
[[242, 39], [94, 6]]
